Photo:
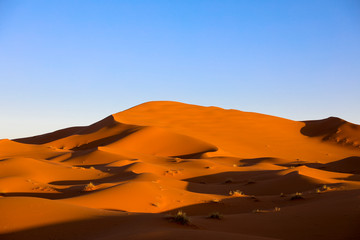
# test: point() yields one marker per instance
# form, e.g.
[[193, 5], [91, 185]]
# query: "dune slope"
[[127, 176]]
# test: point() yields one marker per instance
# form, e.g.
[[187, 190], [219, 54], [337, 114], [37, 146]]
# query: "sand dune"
[[346, 165], [160, 142], [126, 175], [334, 130]]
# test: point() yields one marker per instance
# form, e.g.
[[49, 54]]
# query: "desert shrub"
[[325, 187], [297, 196], [181, 218], [236, 193], [89, 187], [215, 215]]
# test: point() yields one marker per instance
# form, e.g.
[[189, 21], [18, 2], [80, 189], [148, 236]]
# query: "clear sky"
[[65, 63]]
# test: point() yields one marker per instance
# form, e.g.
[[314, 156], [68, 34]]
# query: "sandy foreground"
[[128, 175]]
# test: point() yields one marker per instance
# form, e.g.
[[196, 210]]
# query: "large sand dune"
[[269, 177]]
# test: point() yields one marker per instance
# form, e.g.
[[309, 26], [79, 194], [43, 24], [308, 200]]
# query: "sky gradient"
[[69, 63]]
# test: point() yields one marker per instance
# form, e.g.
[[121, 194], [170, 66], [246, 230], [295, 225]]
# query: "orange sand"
[[150, 161]]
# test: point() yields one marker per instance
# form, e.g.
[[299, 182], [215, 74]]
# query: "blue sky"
[[66, 63]]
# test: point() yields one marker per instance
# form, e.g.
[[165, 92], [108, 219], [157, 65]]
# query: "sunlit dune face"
[[168, 169]]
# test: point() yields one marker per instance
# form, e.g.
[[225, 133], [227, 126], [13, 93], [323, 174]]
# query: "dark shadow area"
[[107, 140], [234, 177], [315, 165], [240, 205], [354, 177], [254, 161], [49, 137], [292, 164], [248, 204], [110, 179], [229, 206], [325, 127], [108, 122], [59, 155], [94, 228], [223, 183], [347, 165], [198, 155], [124, 226], [60, 193], [80, 153], [119, 174], [218, 189], [62, 133], [51, 196], [258, 183], [334, 130], [72, 191]]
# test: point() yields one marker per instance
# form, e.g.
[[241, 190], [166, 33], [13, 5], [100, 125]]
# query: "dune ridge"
[[127, 172]]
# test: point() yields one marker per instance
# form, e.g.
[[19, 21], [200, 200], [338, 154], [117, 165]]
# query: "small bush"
[[324, 188], [297, 196], [181, 218], [215, 215], [89, 187], [236, 193]]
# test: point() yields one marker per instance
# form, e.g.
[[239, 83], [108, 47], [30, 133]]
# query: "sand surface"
[[127, 176]]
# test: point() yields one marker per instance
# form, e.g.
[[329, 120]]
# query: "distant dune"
[[126, 177]]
